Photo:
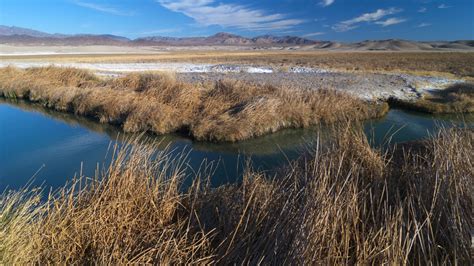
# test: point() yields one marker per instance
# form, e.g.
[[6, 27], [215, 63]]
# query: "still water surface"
[[53, 146]]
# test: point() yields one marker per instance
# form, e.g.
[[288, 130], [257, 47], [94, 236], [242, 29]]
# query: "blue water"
[[402, 126], [50, 148]]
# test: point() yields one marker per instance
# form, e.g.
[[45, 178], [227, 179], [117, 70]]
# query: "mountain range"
[[23, 36]]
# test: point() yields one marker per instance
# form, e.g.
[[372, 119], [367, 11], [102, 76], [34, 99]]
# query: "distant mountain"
[[23, 36], [404, 45], [223, 38], [287, 40], [390, 45], [101, 36], [12, 30], [459, 45], [17, 35], [67, 40]]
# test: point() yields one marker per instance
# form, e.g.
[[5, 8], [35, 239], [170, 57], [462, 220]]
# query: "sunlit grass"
[[226, 110], [341, 203]]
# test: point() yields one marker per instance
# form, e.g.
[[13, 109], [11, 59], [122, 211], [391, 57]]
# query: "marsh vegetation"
[[226, 110], [340, 203], [458, 98]]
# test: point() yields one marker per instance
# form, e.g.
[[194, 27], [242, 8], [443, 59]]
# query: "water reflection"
[[59, 144]]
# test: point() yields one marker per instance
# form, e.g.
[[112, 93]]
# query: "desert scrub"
[[344, 202], [222, 111], [458, 64], [458, 98]]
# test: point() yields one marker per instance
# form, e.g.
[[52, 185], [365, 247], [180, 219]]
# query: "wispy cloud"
[[313, 34], [390, 22], [208, 12], [422, 10], [443, 6], [367, 17], [103, 8], [422, 25], [326, 2]]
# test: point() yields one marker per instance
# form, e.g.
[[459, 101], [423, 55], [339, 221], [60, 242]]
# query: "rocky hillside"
[[23, 36]]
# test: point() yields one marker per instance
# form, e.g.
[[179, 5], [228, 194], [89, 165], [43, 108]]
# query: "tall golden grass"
[[224, 111], [342, 203]]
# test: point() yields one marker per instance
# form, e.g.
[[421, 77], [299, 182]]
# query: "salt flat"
[[26, 50]]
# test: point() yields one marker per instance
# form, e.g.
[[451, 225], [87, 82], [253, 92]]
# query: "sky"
[[339, 20]]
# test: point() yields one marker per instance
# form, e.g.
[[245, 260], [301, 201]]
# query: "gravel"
[[366, 86]]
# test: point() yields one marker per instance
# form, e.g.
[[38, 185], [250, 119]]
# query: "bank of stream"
[[52, 147]]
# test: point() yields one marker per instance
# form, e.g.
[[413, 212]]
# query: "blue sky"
[[343, 20]]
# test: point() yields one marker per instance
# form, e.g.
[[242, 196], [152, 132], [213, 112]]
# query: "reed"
[[343, 202]]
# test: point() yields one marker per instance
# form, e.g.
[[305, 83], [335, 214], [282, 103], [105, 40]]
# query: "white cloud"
[[390, 21], [367, 17], [313, 34], [102, 8], [422, 25], [443, 6], [207, 12], [326, 2], [422, 10]]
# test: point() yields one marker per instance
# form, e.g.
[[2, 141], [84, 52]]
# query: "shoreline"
[[325, 199], [224, 111], [243, 95]]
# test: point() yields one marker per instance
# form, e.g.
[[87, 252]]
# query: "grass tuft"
[[156, 102], [342, 203]]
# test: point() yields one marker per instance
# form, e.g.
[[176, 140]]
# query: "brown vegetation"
[[426, 63], [458, 98], [222, 111], [344, 203]]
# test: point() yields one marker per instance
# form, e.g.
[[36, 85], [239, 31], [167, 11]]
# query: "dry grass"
[[158, 103], [458, 98], [17, 211], [344, 203], [232, 110], [427, 63], [129, 216]]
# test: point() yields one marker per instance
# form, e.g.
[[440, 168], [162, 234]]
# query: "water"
[[53, 147], [402, 126]]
